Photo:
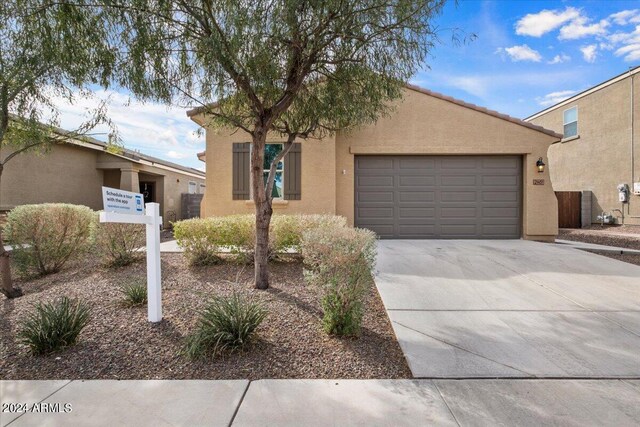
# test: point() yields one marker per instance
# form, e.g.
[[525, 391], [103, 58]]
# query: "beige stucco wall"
[[600, 158], [318, 177], [65, 174], [421, 124], [73, 174]]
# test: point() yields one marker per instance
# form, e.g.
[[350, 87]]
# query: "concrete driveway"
[[510, 308]]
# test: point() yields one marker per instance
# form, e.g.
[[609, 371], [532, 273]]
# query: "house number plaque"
[[538, 182]]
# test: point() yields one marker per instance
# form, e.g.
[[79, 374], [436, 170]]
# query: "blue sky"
[[532, 54], [527, 55]]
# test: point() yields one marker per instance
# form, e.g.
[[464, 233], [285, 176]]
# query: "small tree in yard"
[[297, 68], [45, 52]]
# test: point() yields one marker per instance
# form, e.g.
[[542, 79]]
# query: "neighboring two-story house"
[[600, 148]]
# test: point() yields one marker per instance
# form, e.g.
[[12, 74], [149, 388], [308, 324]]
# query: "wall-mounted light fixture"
[[540, 165]]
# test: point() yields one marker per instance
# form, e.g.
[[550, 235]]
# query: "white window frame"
[[564, 124], [195, 187], [277, 170]]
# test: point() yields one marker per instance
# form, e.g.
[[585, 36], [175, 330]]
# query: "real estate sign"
[[128, 208], [120, 201]]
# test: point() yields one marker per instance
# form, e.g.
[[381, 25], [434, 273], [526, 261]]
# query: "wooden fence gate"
[[191, 205], [569, 206]]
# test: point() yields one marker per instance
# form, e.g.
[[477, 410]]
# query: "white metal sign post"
[[117, 201]]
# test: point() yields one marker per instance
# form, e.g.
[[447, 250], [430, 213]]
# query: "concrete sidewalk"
[[323, 402]]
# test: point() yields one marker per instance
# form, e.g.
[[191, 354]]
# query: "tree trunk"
[[5, 268], [263, 210]]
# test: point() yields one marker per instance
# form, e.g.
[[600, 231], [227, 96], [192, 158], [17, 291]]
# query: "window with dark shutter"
[[240, 171], [293, 173]]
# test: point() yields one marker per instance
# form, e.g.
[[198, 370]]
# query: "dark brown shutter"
[[293, 173], [240, 170]]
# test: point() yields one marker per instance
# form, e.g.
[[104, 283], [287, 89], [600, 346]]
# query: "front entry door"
[[148, 192]]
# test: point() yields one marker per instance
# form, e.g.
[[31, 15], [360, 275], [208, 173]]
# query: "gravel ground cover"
[[620, 236], [119, 343]]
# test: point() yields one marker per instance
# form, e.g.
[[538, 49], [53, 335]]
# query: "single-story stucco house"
[[599, 150], [75, 171], [437, 167]]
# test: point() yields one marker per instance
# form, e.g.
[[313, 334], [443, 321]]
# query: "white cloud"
[[580, 28], [589, 52], [522, 53], [178, 154], [554, 97], [559, 59], [538, 24], [153, 129], [476, 86], [626, 17], [630, 52]]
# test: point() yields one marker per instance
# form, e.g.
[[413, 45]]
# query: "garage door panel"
[[439, 196], [505, 212], [412, 162], [377, 163], [416, 181], [458, 196], [375, 196], [507, 180], [458, 162], [451, 212], [416, 196], [375, 181], [404, 212], [500, 196], [458, 180], [376, 212]]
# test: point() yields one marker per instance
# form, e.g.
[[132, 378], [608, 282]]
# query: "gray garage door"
[[439, 197]]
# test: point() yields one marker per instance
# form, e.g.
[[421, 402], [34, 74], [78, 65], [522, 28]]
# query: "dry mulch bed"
[[119, 343]]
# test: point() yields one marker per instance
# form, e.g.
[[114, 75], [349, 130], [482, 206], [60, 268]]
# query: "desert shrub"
[[204, 239], [46, 236], [287, 230], [237, 233], [134, 293], [119, 243], [341, 261], [55, 325], [200, 239], [225, 324]]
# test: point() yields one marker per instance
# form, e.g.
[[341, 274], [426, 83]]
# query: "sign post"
[[126, 207]]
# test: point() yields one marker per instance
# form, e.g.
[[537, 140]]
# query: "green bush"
[[225, 324], [341, 261], [119, 243], [134, 293], [204, 239], [46, 236], [237, 233], [287, 230], [53, 326], [200, 240]]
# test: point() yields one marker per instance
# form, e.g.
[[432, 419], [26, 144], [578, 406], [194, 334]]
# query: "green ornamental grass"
[[54, 325], [225, 324], [134, 293]]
